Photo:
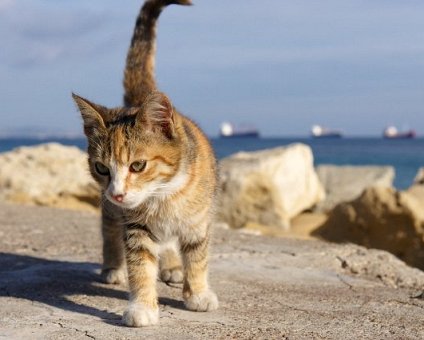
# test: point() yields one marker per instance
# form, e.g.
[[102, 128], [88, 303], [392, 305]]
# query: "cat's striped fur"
[[158, 175]]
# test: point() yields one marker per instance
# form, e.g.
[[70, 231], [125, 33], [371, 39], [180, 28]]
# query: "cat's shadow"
[[59, 283]]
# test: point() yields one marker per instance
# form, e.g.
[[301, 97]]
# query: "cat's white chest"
[[167, 220], [164, 220]]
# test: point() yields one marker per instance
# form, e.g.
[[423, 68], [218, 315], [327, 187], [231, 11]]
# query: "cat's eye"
[[102, 169], [137, 166]]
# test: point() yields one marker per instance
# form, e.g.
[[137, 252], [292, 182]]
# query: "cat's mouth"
[[127, 201]]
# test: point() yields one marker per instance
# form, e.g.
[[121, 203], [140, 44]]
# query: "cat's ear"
[[159, 113], [93, 115]]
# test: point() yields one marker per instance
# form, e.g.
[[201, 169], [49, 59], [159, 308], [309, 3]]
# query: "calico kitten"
[[157, 172]]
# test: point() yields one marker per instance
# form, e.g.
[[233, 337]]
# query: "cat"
[[158, 175]]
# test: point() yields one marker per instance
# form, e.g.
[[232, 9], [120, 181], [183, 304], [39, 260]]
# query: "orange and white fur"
[[157, 172]]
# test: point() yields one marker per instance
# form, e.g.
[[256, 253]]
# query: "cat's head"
[[134, 153]]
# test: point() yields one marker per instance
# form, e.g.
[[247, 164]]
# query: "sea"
[[405, 155]]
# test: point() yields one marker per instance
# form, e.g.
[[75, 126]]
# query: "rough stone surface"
[[419, 178], [381, 218], [269, 288], [417, 192], [345, 183], [48, 174], [269, 187]]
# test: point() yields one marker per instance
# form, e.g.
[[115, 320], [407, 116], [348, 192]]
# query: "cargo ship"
[[318, 131], [228, 130], [391, 132]]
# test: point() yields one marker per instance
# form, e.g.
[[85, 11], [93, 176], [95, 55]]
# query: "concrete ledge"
[[269, 288]]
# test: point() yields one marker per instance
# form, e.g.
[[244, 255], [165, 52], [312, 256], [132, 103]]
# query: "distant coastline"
[[40, 135], [405, 155]]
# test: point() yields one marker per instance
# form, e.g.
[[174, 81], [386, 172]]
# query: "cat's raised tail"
[[139, 76]]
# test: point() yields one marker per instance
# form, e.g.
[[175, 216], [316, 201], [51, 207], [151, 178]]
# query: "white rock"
[[48, 174], [345, 183], [417, 188], [419, 178], [269, 187]]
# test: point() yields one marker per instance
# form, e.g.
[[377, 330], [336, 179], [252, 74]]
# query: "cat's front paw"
[[174, 275], [202, 302], [140, 315], [114, 276]]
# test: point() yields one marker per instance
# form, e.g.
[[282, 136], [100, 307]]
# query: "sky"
[[279, 65]]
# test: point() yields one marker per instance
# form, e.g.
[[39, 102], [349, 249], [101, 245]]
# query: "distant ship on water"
[[228, 130], [391, 132], [318, 131]]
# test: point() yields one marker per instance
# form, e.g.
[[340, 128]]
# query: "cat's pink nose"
[[118, 198]]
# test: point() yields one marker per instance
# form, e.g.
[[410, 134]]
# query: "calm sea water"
[[406, 156]]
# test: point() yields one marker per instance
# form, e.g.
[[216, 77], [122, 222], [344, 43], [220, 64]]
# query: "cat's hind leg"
[[170, 264], [196, 292]]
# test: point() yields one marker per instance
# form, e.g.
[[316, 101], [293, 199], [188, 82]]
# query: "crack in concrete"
[[74, 329], [407, 303], [345, 282]]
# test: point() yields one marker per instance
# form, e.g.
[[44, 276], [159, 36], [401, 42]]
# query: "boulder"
[[50, 175], [268, 187], [419, 178], [381, 218], [417, 188], [417, 191], [345, 183]]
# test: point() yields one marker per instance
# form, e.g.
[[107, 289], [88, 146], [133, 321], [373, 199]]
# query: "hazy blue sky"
[[280, 65]]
